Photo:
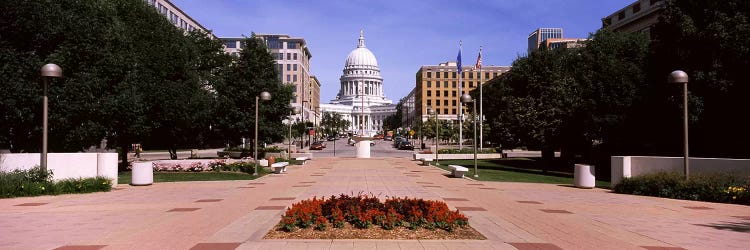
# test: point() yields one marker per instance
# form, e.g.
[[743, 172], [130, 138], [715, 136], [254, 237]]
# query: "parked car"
[[331, 138], [388, 138], [406, 145], [379, 137], [350, 142], [316, 146], [323, 143], [397, 141]]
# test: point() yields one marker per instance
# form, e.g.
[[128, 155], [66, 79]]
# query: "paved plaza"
[[237, 214]]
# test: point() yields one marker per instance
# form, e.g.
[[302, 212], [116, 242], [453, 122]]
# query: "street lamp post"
[[264, 96], [292, 111], [679, 76], [437, 134], [466, 98], [48, 71]]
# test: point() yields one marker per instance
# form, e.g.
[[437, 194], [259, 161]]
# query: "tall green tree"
[[706, 39], [253, 72]]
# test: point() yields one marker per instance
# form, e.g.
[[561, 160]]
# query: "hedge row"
[[35, 182], [712, 188]]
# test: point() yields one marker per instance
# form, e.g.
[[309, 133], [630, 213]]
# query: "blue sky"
[[403, 35]]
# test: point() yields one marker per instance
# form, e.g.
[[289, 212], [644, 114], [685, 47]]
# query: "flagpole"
[[460, 92], [481, 114]]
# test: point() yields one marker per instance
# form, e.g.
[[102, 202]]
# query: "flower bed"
[[368, 212], [203, 165]]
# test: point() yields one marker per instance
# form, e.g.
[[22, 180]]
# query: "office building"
[[639, 16], [437, 86], [176, 16], [408, 111], [540, 35], [292, 59]]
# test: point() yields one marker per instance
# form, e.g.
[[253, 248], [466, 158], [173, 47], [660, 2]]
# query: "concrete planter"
[[143, 174]]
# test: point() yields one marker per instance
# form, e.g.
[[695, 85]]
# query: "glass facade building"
[[540, 35]]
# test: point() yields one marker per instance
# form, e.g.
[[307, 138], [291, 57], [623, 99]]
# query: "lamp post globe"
[[466, 98], [264, 96], [49, 70]]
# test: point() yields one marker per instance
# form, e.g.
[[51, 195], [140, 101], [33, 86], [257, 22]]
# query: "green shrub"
[[713, 188], [35, 182]]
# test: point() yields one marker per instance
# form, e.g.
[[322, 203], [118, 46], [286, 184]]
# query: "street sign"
[[411, 132]]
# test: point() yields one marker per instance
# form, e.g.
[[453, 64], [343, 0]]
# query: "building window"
[[453, 94], [295, 56], [190, 27], [454, 74], [445, 93], [289, 56], [151, 2], [429, 102], [437, 74], [291, 45], [471, 84], [429, 74], [453, 111], [429, 93], [445, 74], [295, 67], [173, 17], [636, 7], [445, 103], [621, 16], [494, 75], [445, 84], [487, 75], [288, 78], [437, 92], [231, 44], [463, 85], [445, 111], [288, 67], [471, 75], [295, 78], [429, 84], [437, 103], [454, 84]]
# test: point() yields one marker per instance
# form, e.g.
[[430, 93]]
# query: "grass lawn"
[[126, 177], [515, 170]]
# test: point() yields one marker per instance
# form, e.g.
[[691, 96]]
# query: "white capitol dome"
[[361, 57]]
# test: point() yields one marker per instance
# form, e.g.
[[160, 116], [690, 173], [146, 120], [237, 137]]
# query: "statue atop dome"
[[361, 39]]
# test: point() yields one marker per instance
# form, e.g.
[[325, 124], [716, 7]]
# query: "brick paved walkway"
[[237, 214]]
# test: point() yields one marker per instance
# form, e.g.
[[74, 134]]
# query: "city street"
[[381, 149]]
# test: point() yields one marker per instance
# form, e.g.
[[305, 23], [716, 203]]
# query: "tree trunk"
[[123, 166], [173, 153], [548, 157]]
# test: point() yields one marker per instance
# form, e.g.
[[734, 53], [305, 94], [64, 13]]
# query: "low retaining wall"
[[630, 166], [66, 165], [294, 155], [458, 156]]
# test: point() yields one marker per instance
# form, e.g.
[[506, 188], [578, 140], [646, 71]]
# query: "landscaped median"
[[458, 154], [514, 170], [200, 170]]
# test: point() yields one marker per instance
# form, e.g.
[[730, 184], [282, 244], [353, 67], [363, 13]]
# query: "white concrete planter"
[[143, 174], [584, 177]]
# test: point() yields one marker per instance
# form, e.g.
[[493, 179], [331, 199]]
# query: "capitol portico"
[[361, 99]]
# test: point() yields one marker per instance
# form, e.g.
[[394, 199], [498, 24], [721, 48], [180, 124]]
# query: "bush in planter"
[[713, 188], [35, 182]]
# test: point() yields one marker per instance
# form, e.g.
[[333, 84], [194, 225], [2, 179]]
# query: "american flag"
[[479, 60]]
